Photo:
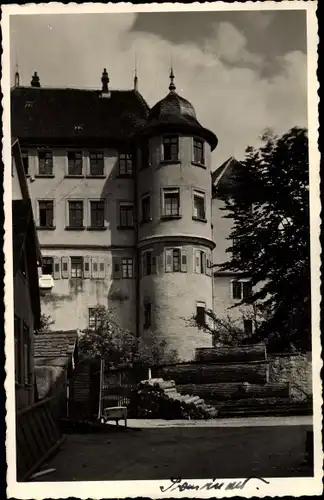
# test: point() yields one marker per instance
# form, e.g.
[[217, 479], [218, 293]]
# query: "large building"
[[127, 209]]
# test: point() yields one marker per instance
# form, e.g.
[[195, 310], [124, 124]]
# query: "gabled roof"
[[72, 114], [59, 344], [222, 177]]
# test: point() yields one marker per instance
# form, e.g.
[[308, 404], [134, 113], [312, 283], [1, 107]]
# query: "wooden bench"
[[115, 413]]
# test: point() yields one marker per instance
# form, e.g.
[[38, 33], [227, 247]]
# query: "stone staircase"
[[235, 382]]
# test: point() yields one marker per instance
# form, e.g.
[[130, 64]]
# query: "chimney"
[[35, 80], [105, 80]]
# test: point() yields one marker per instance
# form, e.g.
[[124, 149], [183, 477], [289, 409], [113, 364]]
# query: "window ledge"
[[70, 228], [45, 228], [74, 176], [125, 176], [100, 228], [45, 176], [171, 217], [170, 162], [125, 227], [199, 219], [197, 164], [101, 176]]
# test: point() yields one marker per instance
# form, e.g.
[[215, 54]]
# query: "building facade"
[[124, 207]]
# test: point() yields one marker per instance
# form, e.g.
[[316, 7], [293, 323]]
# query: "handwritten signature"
[[214, 484]]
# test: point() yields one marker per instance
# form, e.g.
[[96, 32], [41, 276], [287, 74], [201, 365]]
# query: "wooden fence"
[[37, 437]]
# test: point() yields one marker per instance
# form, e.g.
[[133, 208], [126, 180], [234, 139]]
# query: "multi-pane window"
[[201, 313], [47, 265], [199, 205], [126, 217], [45, 162], [241, 289], [127, 267], [74, 162], [125, 164], [171, 202], [76, 267], [147, 315], [248, 326], [97, 213], [146, 208], [175, 260], [46, 213], [96, 163], [76, 214], [26, 353], [171, 148], [17, 335], [93, 319], [198, 151], [203, 262], [148, 263], [25, 160]]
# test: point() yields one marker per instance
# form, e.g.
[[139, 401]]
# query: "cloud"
[[221, 78]]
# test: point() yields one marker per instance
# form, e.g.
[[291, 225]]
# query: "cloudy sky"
[[243, 71]]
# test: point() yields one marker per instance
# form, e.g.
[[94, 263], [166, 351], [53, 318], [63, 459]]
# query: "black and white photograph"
[[162, 255]]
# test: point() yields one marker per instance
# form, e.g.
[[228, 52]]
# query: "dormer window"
[[170, 148], [78, 128]]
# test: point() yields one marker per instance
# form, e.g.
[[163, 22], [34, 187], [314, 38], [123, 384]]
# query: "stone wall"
[[295, 369]]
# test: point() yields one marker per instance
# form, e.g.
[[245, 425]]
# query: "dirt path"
[[182, 452]]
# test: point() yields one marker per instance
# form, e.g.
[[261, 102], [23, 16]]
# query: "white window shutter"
[[183, 260], [197, 261], [56, 268], [65, 267], [86, 267], [94, 268], [204, 263], [102, 268], [168, 260]]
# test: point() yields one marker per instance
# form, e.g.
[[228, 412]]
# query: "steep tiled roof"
[[56, 113], [55, 344], [222, 177]]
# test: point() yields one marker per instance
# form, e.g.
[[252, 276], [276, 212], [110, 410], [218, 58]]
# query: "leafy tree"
[[45, 324], [269, 205]]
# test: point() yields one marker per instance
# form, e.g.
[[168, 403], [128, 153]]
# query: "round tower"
[[174, 231]]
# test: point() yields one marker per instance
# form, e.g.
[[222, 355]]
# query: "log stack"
[[158, 398], [236, 390], [239, 354]]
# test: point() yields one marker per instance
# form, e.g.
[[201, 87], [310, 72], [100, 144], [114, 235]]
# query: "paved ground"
[[187, 452]]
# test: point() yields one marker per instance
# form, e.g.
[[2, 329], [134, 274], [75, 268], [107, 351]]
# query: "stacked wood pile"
[[237, 354], [157, 398], [236, 391]]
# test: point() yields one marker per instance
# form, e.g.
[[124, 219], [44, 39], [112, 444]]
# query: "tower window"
[[146, 208], [46, 209], [47, 265], [171, 202], [198, 151], [96, 163], [45, 162], [170, 148], [127, 268], [148, 263], [76, 267], [125, 164], [201, 313], [199, 211], [76, 214], [97, 214], [147, 315], [126, 217], [74, 162], [25, 160]]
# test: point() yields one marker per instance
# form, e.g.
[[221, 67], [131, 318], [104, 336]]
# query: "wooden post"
[[149, 374], [102, 364]]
